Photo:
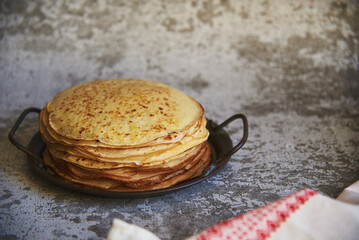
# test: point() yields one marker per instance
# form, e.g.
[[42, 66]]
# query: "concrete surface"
[[290, 66]]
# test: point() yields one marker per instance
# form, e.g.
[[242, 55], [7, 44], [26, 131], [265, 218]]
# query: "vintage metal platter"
[[220, 142]]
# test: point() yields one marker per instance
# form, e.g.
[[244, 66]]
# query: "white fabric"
[[350, 194], [321, 218], [121, 230]]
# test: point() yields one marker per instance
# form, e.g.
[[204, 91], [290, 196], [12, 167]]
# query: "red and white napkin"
[[302, 215]]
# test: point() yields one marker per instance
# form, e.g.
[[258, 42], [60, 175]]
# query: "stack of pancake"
[[124, 135]]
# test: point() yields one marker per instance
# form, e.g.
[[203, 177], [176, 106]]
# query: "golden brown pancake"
[[124, 135], [136, 174], [121, 155], [173, 137], [122, 112], [104, 183]]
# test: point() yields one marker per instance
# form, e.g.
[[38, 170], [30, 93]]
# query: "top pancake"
[[121, 112]]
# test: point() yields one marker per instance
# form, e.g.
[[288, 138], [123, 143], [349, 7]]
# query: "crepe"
[[53, 136], [122, 113], [124, 135], [152, 182]]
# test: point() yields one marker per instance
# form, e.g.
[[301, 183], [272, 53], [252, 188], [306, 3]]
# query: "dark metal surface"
[[220, 142]]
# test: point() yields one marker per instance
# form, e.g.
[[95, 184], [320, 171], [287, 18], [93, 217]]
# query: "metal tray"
[[220, 142]]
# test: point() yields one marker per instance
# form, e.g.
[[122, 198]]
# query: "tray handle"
[[14, 129], [245, 133]]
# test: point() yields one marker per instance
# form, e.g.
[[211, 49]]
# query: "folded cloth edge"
[[121, 230], [350, 194]]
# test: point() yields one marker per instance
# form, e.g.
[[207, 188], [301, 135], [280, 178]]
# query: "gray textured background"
[[291, 66]]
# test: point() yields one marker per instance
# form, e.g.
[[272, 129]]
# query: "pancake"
[[136, 174], [101, 182], [122, 112], [171, 163], [52, 136], [124, 135], [112, 155]]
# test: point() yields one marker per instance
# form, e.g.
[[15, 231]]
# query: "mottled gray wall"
[[276, 54]]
